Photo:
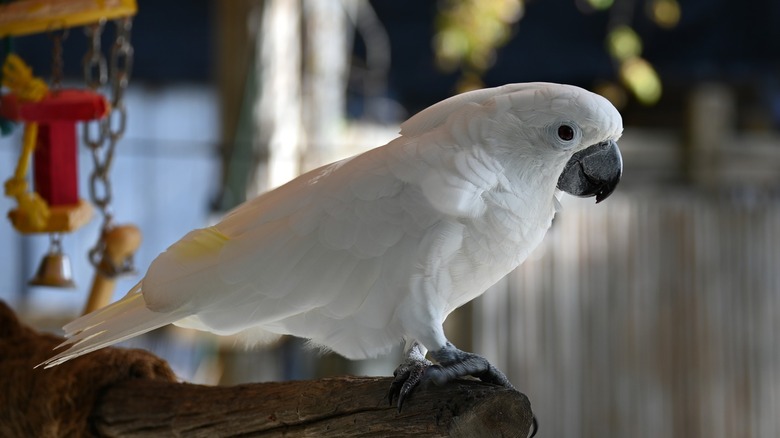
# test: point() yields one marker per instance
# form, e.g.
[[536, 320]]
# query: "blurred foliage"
[[665, 13], [624, 43], [636, 73], [469, 32], [600, 5]]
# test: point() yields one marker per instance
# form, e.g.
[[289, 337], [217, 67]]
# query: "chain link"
[[94, 61], [121, 61], [55, 243], [102, 136]]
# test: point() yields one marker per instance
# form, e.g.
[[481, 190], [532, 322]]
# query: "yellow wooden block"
[[63, 219], [24, 17]]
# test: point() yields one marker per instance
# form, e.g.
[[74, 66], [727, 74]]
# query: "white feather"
[[122, 320]]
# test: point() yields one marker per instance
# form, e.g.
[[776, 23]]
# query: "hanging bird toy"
[[50, 113]]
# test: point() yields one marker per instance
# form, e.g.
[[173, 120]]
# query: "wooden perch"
[[131, 393]]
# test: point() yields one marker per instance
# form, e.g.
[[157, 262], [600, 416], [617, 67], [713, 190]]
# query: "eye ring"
[[565, 132]]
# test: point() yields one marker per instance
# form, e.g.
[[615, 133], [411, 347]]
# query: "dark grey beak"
[[594, 171]]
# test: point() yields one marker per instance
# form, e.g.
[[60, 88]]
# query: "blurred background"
[[652, 314]]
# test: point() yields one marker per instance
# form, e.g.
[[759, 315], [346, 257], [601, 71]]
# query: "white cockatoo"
[[362, 254]]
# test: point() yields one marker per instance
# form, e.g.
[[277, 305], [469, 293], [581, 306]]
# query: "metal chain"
[[57, 64], [94, 61], [102, 136], [121, 60]]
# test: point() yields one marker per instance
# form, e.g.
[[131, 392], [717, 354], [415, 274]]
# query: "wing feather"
[[318, 253]]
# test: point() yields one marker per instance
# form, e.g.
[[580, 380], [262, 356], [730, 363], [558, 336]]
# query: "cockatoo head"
[[561, 134], [569, 129]]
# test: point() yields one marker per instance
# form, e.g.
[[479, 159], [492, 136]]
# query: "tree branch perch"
[[131, 393]]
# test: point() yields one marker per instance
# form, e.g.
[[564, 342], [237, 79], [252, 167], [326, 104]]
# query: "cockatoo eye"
[[565, 132]]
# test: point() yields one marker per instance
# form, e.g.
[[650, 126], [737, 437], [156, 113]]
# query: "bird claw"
[[407, 376], [455, 363], [452, 364]]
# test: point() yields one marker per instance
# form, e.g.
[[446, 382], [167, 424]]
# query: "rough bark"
[[131, 393], [57, 402]]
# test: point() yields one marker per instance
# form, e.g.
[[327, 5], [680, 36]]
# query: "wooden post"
[[711, 120], [277, 110], [131, 393], [325, 72]]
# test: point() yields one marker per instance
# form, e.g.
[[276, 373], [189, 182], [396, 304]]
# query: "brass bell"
[[54, 270]]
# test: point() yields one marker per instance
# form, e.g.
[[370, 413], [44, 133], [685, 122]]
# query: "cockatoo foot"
[[408, 375], [454, 363]]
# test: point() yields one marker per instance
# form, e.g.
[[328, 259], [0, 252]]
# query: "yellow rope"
[[18, 77], [28, 147]]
